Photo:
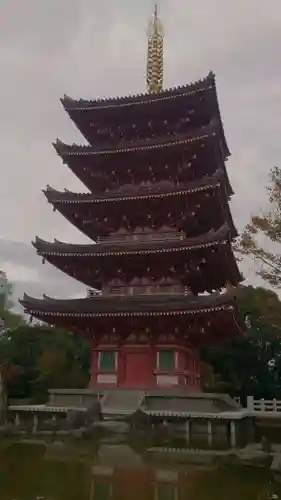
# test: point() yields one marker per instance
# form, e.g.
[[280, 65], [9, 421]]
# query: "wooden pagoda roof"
[[76, 207], [181, 91], [88, 113], [151, 305], [77, 260], [202, 134], [94, 269], [116, 248], [131, 192]]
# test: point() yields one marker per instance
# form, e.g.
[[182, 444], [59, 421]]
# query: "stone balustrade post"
[[35, 423], [17, 420], [187, 430], [210, 432], [250, 403], [232, 433]]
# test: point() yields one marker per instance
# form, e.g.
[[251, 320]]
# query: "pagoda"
[[160, 270]]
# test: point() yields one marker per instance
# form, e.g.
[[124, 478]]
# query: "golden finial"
[[155, 54]]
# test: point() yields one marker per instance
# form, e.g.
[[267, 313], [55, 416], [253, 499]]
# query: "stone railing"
[[264, 405]]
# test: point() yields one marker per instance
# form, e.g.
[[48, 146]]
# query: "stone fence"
[[263, 405]]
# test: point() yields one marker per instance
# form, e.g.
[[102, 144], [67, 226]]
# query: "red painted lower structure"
[[145, 367]]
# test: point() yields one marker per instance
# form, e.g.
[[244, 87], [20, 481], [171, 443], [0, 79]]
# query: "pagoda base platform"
[[176, 411], [157, 404]]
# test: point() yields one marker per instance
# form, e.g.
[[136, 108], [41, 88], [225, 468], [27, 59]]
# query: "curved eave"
[[208, 132], [207, 183], [226, 149], [66, 202], [131, 306], [49, 251], [60, 312], [31, 309], [110, 249], [191, 89], [74, 259]]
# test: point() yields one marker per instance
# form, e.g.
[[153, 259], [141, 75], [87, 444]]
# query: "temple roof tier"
[[196, 319], [151, 305], [188, 262], [178, 140], [146, 115], [115, 248], [180, 161], [194, 207], [190, 89], [130, 192]]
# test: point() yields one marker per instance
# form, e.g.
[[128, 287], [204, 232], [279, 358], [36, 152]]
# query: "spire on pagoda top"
[[155, 54]]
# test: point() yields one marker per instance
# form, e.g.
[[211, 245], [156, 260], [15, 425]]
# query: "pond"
[[104, 470]]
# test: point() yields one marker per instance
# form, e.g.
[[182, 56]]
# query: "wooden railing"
[[146, 290], [141, 237]]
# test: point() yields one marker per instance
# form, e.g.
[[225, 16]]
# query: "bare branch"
[[266, 224]]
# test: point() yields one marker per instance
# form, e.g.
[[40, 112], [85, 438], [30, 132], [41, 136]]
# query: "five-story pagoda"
[[161, 265]]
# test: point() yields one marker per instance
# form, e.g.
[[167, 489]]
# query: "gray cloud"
[[28, 275], [91, 48]]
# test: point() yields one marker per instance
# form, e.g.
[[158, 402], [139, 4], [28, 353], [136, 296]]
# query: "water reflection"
[[118, 471]]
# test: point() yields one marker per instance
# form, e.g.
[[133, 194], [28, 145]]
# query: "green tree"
[[5, 291], [263, 229], [251, 365], [11, 320], [38, 358], [8, 319], [35, 358]]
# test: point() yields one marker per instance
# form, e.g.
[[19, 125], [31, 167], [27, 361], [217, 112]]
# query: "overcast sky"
[[89, 48]]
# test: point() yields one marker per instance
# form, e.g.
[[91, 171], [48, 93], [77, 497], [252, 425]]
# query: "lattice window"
[[166, 360], [107, 361]]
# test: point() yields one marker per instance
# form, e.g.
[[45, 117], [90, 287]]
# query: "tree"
[[11, 320], [251, 365], [266, 228], [37, 358], [5, 291], [8, 319]]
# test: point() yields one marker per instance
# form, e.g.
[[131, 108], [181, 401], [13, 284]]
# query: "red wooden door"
[[137, 370]]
